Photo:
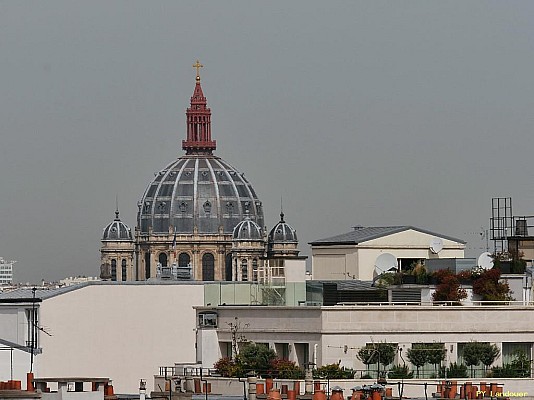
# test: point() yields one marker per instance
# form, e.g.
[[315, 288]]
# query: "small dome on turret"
[[283, 232], [247, 230], [117, 230]]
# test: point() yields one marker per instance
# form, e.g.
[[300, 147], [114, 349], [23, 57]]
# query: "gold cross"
[[198, 65]]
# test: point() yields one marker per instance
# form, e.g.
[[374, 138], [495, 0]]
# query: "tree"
[[436, 353], [417, 356], [457, 371], [286, 369], [228, 368], [256, 358], [333, 371], [377, 353], [368, 354], [448, 288], [489, 287], [400, 372], [236, 330], [519, 367], [521, 364], [489, 352], [472, 354]]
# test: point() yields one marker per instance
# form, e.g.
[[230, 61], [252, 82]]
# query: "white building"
[[6, 271], [326, 335], [125, 331], [365, 252]]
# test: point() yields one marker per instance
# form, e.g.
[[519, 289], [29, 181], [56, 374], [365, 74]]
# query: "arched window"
[[147, 265], [244, 270], [255, 270], [113, 270], [208, 267], [162, 258], [228, 267], [123, 269], [183, 260]]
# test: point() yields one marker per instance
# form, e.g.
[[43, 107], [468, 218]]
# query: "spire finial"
[[281, 210], [198, 65], [116, 207]]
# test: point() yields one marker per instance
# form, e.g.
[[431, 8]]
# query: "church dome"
[[199, 192], [282, 232], [247, 230], [117, 230]]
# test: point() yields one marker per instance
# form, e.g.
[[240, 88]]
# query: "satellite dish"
[[385, 262], [436, 245], [485, 260]]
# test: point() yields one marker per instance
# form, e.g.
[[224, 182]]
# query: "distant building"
[[366, 252], [75, 280], [6, 271]]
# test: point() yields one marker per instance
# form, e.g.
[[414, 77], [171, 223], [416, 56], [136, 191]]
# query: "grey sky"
[[371, 113]]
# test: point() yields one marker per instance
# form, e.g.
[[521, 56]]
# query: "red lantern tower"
[[198, 122]]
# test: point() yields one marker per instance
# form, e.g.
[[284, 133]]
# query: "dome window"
[[183, 206], [207, 207], [230, 207], [162, 205], [147, 206]]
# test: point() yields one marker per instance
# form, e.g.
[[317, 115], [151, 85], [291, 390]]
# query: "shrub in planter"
[[448, 288], [285, 369], [457, 371], [400, 372], [489, 287], [333, 371]]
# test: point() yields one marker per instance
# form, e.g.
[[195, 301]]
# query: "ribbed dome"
[[247, 230], [117, 230], [198, 191], [282, 232]]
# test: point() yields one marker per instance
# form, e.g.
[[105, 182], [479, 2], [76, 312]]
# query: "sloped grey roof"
[[364, 234], [40, 293]]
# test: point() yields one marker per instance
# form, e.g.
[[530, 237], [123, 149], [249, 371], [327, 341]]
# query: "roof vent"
[[357, 227]]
